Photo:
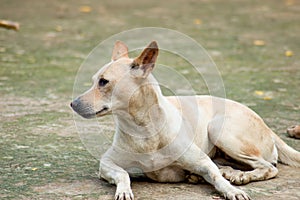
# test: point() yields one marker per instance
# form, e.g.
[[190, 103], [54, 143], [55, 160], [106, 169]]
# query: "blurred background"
[[255, 45]]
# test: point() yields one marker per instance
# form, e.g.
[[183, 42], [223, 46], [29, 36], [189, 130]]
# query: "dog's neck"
[[145, 110], [150, 121], [143, 104]]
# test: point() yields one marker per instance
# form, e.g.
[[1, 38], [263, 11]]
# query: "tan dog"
[[294, 131], [167, 136]]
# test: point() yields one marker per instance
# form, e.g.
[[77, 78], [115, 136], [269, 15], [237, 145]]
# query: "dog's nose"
[[75, 103]]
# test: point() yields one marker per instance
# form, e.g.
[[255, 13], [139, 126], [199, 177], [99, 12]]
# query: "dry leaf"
[[58, 28], [9, 25], [289, 53], [259, 92], [259, 43], [267, 98], [85, 9], [264, 95], [197, 21], [289, 2]]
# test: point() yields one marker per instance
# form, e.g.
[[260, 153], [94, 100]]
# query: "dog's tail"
[[286, 154]]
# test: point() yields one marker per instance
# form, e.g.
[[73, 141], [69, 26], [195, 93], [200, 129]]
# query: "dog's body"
[[167, 136]]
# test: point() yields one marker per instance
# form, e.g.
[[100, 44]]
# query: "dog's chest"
[[143, 153], [144, 145]]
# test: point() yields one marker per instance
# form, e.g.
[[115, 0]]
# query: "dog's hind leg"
[[253, 152], [263, 170], [197, 162]]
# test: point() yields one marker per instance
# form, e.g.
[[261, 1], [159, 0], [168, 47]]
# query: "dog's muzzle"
[[82, 109], [86, 110]]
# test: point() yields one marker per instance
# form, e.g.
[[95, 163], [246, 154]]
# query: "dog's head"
[[114, 83]]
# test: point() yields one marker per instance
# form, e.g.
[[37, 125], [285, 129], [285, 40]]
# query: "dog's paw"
[[241, 178], [294, 131], [194, 179], [237, 195], [124, 194], [236, 177]]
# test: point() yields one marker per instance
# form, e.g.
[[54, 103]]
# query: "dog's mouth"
[[103, 111]]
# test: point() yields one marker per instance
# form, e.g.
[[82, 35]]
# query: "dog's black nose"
[[74, 104]]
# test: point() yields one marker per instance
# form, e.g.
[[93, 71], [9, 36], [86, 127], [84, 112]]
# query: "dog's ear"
[[146, 60], [120, 50]]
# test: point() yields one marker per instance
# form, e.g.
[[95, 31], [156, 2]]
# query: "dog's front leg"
[[118, 176], [196, 161]]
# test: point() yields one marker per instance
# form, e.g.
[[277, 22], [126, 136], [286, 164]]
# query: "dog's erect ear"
[[146, 60], [120, 50]]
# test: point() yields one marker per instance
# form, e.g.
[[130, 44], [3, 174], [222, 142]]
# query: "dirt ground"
[[286, 185], [41, 153]]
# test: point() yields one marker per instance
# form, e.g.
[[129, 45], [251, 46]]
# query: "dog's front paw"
[[124, 196], [237, 195], [123, 193]]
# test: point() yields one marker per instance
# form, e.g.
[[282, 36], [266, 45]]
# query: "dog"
[[166, 137], [294, 131]]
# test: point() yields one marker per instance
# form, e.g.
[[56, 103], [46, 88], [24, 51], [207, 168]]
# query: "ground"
[[255, 45]]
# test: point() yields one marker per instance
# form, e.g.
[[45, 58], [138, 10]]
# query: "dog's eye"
[[102, 82], [134, 66]]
